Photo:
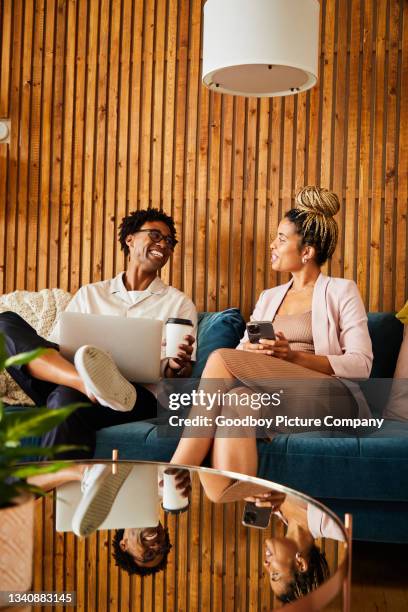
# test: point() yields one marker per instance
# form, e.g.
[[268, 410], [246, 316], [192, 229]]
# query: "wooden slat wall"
[[215, 563], [108, 115]]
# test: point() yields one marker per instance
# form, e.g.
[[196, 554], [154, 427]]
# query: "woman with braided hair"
[[322, 341]]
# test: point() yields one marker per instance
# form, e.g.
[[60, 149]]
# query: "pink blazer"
[[339, 324]]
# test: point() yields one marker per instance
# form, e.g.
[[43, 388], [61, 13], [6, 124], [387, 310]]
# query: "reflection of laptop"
[[135, 344], [136, 504]]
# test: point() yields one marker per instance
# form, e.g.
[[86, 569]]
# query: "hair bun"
[[317, 201]]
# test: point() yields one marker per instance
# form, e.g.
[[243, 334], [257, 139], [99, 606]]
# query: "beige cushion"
[[397, 407], [41, 310]]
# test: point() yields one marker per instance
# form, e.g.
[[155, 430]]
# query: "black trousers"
[[81, 426]]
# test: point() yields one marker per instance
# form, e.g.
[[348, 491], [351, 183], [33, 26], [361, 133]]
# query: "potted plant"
[[16, 493]]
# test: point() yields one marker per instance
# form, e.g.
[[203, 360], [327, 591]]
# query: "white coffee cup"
[[176, 329], [173, 498]]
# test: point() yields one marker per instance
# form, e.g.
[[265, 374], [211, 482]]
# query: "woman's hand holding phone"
[[278, 348], [264, 340]]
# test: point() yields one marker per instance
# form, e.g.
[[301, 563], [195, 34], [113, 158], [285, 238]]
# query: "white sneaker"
[[100, 488], [103, 380]]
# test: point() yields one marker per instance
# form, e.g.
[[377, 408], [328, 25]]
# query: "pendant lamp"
[[260, 47]]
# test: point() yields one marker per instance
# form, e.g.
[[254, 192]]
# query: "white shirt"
[[110, 297]]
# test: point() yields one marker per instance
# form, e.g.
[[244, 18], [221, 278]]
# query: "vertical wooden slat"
[[237, 207], [171, 575], [188, 268], [48, 547], [70, 562], [12, 207], [402, 192], [339, 110], [388, 280], [254, 537], [247, 252], [79, 144], [224, 215], [275, 209], [103, 569], [110, 264], [92, 571], [213, 199], [98, 192], [230, 557], [157, 106], [180, 138], [123, 127], [6, 17], [168, 128], [67, 145], [24, 145], [89, 152], [146, 116], [193, 583], [57, 145], [38, 545], [217, 555], [378, 158], [241, 595], [201, 203], [352, 143], [206, 554], [328, 97], [113, 582], [365, 152]]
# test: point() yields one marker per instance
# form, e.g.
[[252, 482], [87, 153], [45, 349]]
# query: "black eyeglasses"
[[157, 237], [152, 553]]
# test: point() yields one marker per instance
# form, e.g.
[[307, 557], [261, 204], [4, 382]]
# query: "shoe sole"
[[91, 513], [103, 379]]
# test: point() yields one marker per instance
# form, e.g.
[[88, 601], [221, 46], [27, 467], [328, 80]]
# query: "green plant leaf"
[[36, 421], [32, 451], [23, 358], [25, 471]]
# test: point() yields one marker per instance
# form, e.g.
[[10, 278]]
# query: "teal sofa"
[[366, 475]]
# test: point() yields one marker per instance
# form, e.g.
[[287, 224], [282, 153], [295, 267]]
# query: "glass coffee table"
[[256, 546]]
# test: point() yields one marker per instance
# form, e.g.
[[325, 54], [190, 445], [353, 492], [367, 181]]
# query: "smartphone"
[[260, 329], [253, 516]]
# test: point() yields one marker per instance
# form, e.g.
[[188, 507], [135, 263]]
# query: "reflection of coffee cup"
[[176, 329], [173, 498]]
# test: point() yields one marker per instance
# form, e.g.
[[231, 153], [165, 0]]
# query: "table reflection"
[[285, 543]]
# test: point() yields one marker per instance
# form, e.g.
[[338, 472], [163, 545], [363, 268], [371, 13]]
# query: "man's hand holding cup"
[[179, 347]]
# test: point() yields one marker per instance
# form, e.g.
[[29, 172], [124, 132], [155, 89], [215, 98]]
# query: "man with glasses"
[[148, 238]]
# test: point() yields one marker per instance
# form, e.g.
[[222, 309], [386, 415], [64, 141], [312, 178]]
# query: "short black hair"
[[125, 561], [305, 582], [136, 219]]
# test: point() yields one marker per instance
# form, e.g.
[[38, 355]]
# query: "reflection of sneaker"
[[99, 490], [103, 379]]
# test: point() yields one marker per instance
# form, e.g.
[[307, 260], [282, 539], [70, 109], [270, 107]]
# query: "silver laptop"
[[136, 504], [135, 344]]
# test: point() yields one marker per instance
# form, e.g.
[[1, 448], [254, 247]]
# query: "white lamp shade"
[[260, 47]]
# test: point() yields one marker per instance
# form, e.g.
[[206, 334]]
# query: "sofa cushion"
[[386, 337], [397, 407], [217, 330]]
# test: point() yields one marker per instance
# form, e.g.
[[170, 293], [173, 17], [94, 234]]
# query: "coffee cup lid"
[[180, 321]]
